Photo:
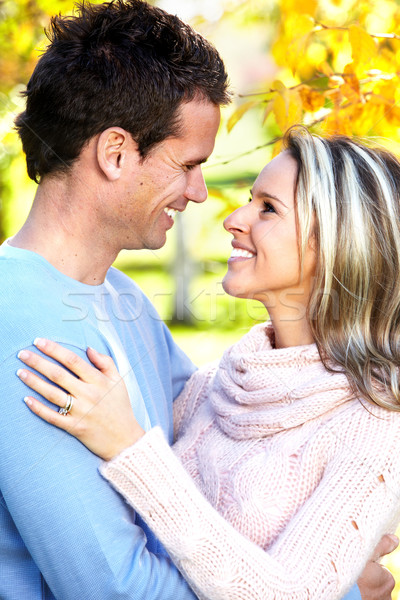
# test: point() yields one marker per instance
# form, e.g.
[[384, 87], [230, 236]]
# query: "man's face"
[[168, 178]]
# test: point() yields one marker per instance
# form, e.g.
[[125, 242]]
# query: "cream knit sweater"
[[287, 481]]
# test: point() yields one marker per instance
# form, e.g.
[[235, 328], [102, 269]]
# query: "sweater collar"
[[259, 390]]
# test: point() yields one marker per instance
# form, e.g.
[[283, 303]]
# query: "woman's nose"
[[237, 221]]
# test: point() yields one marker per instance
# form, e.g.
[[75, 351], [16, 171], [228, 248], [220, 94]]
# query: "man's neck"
[[68, 239]]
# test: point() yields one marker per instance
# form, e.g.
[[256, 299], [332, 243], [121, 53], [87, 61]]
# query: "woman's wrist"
[[122, 443]]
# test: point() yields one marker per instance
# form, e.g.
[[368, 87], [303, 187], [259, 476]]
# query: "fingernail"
[[23, 354], [21, 374], [28, 401], [92, 349], [39, 342], [394, 538]]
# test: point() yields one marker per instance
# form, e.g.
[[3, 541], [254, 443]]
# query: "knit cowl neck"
[[259, 390]]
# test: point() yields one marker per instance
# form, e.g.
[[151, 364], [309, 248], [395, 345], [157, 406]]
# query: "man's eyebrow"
[[198, 161], [267, 195]]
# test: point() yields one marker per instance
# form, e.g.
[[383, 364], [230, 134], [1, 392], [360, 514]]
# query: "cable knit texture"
[[287, 482]]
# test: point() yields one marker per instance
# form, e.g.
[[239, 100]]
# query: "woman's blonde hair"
[[348, 198]]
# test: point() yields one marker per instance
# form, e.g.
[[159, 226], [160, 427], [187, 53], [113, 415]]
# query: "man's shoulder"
[[121, 281], [25, 283], [9, 265], [33, 303], [130, 294]]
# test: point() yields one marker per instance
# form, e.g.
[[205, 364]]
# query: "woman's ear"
[[312, 240], [113, 145]]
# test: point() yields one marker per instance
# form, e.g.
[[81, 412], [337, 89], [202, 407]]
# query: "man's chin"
[[152, 244], [157, 244]]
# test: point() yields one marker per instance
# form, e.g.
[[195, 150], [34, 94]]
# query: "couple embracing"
[[284, 473]]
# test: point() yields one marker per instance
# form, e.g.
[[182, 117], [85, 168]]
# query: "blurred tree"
[[22, 24], [339, 66]]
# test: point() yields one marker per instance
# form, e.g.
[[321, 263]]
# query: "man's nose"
[[196, 189]]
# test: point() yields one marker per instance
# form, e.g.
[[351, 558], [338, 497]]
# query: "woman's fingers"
[[52, 371], [47, 390], [69, 359], [101, 415], [104, 363], [48, 414]]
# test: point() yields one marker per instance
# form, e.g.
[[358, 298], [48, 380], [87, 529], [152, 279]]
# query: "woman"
[[293, 438]]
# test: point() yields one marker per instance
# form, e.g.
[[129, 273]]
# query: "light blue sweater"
[[63, 528], [65, 533]]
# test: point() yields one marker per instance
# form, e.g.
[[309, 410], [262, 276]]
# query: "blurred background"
[[333, 65]]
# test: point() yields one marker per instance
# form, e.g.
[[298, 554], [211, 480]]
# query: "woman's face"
[[265, 262]]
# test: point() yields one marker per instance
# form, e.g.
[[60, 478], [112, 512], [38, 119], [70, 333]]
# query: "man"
[[122, 109]]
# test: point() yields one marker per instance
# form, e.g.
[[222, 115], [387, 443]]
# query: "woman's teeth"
[[171, 212], [240, 253]]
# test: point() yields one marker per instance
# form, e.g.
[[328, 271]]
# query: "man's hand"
[[376, 582]]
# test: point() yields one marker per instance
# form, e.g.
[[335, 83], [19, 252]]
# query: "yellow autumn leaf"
[[386, 90], [239, 112], [296, 26], [338, 122], [363, 48], [297, 31], [351, 86], [280, 108], [335, 96], [378, 100], [277, 148], [268, 110], [295, 111], [366, 117], [312, 100], [326, 69], [279, 50], [392, 115], [290, 7], [279, 86]]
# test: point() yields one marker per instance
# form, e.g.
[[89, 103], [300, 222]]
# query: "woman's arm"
[[319, 555], [219, 562], [192, 396]]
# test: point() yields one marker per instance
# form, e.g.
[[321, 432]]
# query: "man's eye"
[[190, 167]]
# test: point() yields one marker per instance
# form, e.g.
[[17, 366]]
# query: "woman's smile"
[[240, 253]]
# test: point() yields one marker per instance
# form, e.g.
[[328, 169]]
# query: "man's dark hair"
[[125, 64]]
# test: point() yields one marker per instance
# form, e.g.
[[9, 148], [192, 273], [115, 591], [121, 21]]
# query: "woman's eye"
[[268, 207]]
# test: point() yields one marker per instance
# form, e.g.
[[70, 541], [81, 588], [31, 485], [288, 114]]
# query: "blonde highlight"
[[351, 194]]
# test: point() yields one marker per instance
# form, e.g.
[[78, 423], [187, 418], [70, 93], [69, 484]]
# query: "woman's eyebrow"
[[267, 195]]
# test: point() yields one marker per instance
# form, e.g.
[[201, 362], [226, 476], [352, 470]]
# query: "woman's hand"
[[101, 416]]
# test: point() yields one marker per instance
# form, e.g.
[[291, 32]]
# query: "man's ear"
[[113, 145]]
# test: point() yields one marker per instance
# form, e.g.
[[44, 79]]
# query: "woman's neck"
[[289, 330]]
